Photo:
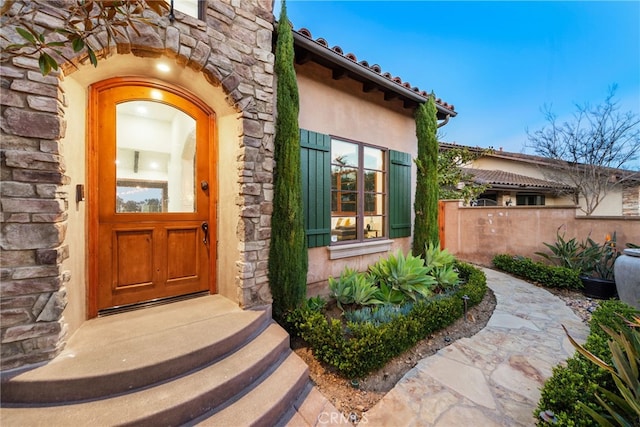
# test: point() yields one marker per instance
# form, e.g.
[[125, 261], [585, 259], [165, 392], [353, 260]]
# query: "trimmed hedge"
[[546, 275], [362, 347], [579, 379]]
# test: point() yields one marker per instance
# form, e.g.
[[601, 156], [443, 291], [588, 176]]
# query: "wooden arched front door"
[[151, 193]]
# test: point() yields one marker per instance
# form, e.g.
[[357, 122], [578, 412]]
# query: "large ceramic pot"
[[627, 272], [598, 288]]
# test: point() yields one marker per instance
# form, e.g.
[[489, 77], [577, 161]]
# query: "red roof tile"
[[510, 179], [375, 68]]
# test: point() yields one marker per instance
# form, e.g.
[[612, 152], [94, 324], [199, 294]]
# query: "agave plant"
[[405, 274], [434, 257], [387, 295], [342, 288], [446, 276], [316, 303], [622, 408], [364, 290]]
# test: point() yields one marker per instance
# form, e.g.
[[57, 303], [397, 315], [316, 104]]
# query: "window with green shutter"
[[346, 186]]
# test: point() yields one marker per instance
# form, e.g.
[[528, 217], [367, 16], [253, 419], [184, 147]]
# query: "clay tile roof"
[[376, 69], [513, 180]]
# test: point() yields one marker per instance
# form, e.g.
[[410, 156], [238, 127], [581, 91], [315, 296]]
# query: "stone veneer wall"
[[631, 201], [232, 49]]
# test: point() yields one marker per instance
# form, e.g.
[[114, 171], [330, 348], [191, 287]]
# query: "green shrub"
[[579, 380], [357, 348], [546, 275]]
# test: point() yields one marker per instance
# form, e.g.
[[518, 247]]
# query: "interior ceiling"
[[152, 110]]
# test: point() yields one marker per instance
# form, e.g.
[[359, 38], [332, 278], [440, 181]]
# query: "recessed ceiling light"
[[163, 67], [156, 94]]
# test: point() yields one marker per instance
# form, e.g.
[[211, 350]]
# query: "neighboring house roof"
[[631, 177], [371, 76], [508, 180]]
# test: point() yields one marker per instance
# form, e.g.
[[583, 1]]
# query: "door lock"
[[204, 185], [205, 229]]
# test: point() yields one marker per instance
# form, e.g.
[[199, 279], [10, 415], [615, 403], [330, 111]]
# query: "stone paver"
[[493, 378]]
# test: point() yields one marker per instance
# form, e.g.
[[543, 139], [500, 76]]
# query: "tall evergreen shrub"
[[288, 258], [426, 201]]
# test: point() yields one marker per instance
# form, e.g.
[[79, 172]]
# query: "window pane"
[[373, 204], [344, 153], [375, 227], [373, 181], [358, 192], [344, 228], [156, 153], [344, 202], [345, 179], [188, 7], [373, 158]]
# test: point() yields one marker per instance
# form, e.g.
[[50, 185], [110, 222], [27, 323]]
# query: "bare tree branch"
[[590, 151]]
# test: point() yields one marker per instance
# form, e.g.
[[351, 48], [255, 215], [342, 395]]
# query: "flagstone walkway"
[[493, 378]]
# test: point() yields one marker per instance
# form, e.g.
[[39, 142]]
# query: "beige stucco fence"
[[477, 234]]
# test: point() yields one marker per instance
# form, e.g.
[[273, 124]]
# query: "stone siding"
[[631, 201], [233, 50]]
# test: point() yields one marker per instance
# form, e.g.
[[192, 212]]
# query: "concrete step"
[[116, 354], [253, 386], [196, 362], [266, 403]]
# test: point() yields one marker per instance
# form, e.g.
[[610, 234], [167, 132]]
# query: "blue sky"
[[498, 62]]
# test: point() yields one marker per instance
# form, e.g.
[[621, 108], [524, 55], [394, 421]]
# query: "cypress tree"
[[426, 199], [288, 258]]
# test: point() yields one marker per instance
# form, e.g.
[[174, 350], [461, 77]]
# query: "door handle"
[[205, 229]]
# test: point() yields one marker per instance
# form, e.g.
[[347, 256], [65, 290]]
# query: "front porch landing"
[[202, 360]]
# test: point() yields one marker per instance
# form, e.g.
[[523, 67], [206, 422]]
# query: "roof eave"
[[364, 72]]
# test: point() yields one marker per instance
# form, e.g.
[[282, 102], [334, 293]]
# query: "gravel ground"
[[581, 305]]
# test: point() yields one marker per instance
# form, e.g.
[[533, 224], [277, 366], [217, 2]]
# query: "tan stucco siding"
[[611, 204], [342, 109]]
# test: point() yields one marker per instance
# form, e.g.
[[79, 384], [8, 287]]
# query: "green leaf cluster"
[[451, 174], [353, 288], [396, 279], [407, 275], [79, 20], [587, 257], [577, 390], [358, 347], [537, 272]]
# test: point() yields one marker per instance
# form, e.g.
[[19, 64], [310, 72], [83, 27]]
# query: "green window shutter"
[[399, 194], [315, 152]]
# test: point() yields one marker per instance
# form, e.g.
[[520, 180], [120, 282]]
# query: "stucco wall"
[[478, 234], [341, 108]]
